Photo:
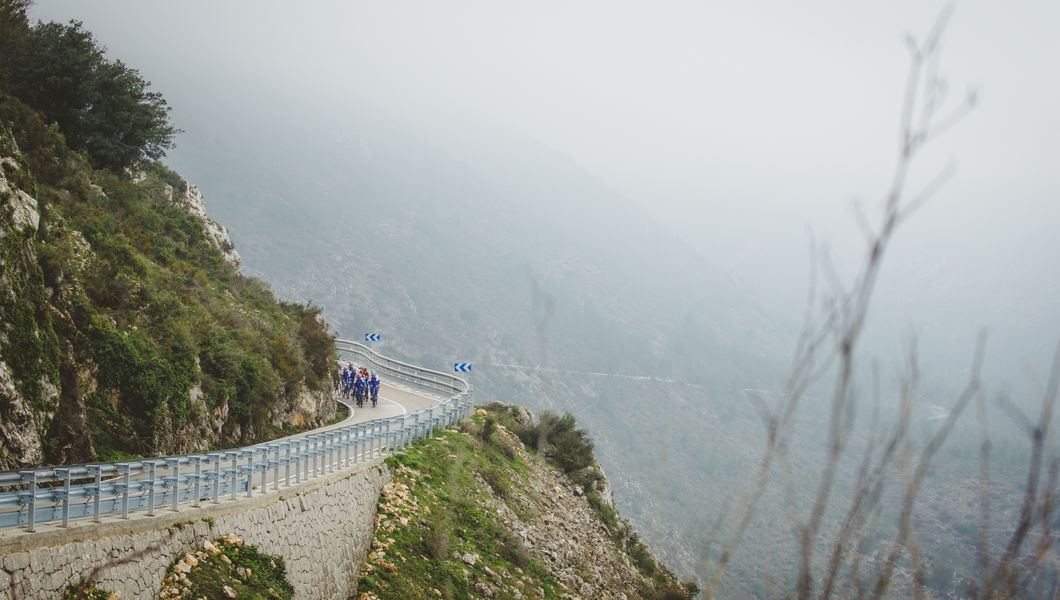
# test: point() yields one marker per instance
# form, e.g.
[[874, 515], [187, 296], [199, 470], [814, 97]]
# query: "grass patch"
[[439, 533], [84, 591], [437, 536], [227, 563]]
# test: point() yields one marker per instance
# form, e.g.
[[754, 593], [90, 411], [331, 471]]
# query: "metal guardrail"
[[61, 494]]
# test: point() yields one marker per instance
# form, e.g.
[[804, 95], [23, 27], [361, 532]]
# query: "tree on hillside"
[[14, 25], [14, 34], [102, 107]]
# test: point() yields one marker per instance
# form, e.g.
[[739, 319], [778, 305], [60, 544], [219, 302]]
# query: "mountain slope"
[[459, 242], [474, 513], [127, 329]]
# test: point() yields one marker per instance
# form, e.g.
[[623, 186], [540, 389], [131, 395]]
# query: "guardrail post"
[[151, 490], [124, 470], [175, 464], [64, 495], [340, 445], [355, 438], [325, 450], [364, 441], [323, 454], [298, 461], [30, 477], [198, 480], [217, 458], [98, 490], [331, 451], [250, 472], [264, 469], [346, 439], [276, 469], [235, 473], [287, 464], [355, 442]]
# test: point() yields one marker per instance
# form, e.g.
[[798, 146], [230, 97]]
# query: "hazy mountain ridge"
[[527, 219], [494, 250], [462, 243]]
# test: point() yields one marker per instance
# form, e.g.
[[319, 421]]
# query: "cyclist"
[[373, 385]]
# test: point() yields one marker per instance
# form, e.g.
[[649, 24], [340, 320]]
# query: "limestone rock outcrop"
[[26, 406], [192, 200]]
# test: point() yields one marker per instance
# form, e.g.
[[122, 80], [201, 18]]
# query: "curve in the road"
[[416, 401]]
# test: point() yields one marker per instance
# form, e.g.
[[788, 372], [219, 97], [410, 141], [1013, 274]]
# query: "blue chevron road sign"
[[371, 337], [462, 367]]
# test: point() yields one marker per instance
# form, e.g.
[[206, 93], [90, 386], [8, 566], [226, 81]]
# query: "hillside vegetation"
[[127, 328], [473, 513]]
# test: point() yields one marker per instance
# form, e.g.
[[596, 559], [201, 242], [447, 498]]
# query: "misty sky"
[[737, 124]]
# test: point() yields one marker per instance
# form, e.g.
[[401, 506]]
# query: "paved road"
[[394, 400]]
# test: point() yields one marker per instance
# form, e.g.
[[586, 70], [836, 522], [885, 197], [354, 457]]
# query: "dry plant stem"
[[802, 371], [853, 312], [905, 518], [1005, 577], [854, 522], [843, 320], [982, 552], [872, 480], [1046, 540], [854, 307]]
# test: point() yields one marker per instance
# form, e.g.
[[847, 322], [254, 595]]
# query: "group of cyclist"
[[360, 384]]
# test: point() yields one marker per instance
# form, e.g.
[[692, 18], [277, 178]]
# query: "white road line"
[[401, 406]]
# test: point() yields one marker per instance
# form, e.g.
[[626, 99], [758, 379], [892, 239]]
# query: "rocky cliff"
[[125, 327], [29, 378], [475, 513]]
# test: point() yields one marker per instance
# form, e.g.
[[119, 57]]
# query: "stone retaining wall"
[[321, 529]]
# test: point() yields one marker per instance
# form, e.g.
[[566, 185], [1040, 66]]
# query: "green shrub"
[[265, 575], [568, 448], [86, 591], [489, 426]]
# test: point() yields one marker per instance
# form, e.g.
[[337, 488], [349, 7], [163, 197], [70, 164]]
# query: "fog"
[[740, 126]]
